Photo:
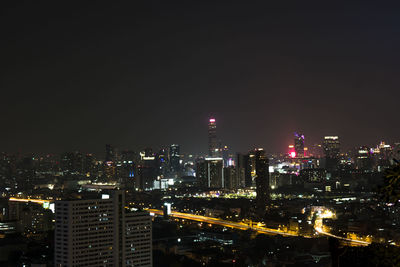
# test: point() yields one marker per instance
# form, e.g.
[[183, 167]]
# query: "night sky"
[[147, 73]]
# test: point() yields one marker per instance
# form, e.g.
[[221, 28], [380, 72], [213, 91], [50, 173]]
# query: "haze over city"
[[150, 73]]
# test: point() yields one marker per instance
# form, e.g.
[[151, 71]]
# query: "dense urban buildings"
[[99, 208]]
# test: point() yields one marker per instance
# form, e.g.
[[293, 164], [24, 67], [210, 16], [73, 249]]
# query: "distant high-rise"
[[163, 162], [299, 145], [101, 232], [110, 156], [213, 150], [331, 148], [230, 177], [126, 166], [241, 167], [260, 173], [363, 158], [174, 157], [147, 170]]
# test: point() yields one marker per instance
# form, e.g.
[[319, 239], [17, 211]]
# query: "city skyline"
[[205, 151], [139, 74]]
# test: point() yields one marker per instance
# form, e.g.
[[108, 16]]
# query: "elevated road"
[[221, 222], [244, 226], [33, 200]]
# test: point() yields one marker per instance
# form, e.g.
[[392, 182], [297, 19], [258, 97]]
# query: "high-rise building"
[[147, 171], [260, 174], [331, 148], [174, 157], [241, 166], [101, 232], [125, 168], [230, 177], [210, 173], [363, 159], [162, 159], [213, 149], [299, 145]]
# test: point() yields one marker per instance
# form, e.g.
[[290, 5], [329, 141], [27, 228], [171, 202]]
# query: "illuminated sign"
[[213, 158], [331, 137]]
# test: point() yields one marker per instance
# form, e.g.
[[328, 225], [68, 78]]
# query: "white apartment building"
[[101, 232]]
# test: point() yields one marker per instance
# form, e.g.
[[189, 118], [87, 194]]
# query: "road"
[[39, 201], [217, 221], [243, 226], [353, 242]]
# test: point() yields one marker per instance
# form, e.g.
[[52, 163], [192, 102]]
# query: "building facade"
[[101, 232]]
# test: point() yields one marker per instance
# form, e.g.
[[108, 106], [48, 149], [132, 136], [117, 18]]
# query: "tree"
[[390, 190]]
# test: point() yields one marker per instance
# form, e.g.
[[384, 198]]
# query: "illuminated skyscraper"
[[213, 150], [174, 157], [299, 145], [331, 147]]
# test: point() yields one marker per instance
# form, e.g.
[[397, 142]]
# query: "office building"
[[299, 145], [174, 158], [260, 172], [241, 166], [210, 173], [331, 148], [313, 175], [101, 232], [213, 149], [162, 162], [363, 159], [230, 177], [147, 170]]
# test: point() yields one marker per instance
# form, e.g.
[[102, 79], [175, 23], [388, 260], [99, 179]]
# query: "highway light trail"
[[244, 226], [221, 222]]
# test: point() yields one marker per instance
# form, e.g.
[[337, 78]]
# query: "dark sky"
[[147, 73]]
